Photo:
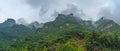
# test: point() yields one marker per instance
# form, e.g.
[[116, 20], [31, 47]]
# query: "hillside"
[[69, 33]]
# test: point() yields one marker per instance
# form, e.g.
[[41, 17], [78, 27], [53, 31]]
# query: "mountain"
[[10, 31], [69, 33]]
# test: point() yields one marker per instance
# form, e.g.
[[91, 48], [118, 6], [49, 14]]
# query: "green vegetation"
[[66, 33], [71, 38]]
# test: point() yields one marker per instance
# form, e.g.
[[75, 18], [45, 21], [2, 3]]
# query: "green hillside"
[[71, 38], [68, 33]]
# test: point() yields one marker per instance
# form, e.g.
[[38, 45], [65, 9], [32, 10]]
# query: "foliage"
[[64, 34]]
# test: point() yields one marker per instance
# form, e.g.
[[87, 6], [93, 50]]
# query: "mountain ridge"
[[68, 33], [103, 24]]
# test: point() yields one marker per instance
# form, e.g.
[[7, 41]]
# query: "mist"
[[47, 10]]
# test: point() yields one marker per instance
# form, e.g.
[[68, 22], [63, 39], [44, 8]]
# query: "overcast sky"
[[45, 10]]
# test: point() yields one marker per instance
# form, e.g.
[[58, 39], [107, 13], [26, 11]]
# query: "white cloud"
[[43, 10]]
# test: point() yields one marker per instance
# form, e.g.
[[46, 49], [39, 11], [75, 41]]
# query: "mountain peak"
[[64, 15], [106, 25], [71, 14], [36, 25], [8, 23], [10, 20]]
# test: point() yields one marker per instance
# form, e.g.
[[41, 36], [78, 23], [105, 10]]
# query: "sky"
[[47, 10]]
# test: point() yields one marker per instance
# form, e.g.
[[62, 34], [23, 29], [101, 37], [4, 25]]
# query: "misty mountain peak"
[[35, 25], [103, 19], [64, 15], [8, 23], [71, 14], [106, 25]]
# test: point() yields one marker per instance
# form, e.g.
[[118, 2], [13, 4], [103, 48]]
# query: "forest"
[[68, 33]]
